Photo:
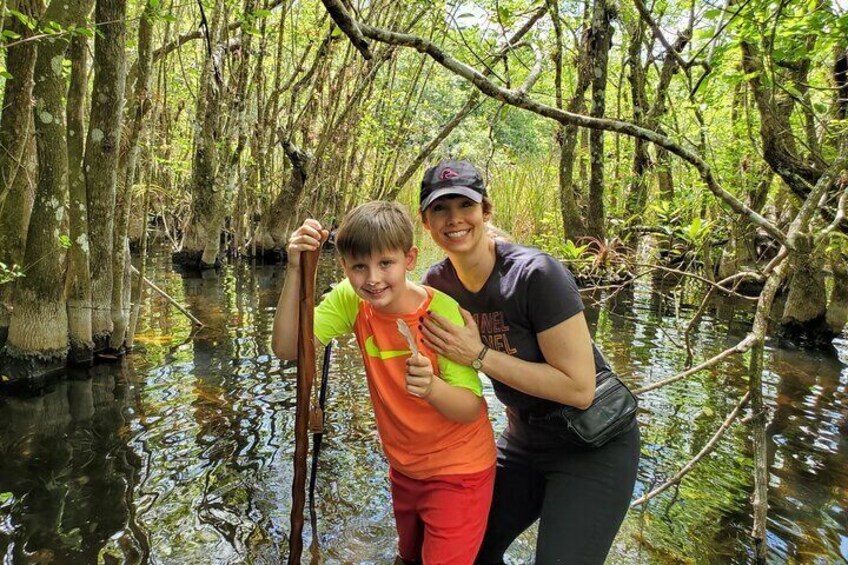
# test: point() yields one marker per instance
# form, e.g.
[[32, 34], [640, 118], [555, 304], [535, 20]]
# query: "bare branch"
[[469, 105], [671, 50], [740, 347], [348, 25], [840, 214], [714, 285], [535, 72], [707, 449], [520, 100]]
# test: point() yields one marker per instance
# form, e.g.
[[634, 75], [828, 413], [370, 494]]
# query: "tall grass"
[[525, 197]]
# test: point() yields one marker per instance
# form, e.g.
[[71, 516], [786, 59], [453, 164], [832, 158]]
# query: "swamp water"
[[183, 452]]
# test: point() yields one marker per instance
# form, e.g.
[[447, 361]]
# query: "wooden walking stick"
[[305, 377]]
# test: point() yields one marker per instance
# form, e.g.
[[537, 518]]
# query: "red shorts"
[[441, 520]]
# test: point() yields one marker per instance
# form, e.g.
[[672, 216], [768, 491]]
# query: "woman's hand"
[[307, 237], [460, 344]]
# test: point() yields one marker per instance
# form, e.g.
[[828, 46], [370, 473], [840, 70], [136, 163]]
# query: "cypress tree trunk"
[[637, 196], [572, 221], [18, 167], [837, 308], [207, 202], [284, 207], [665, 178], [138, 107], [78, 281], [601, 37], [14, 221], [101, 157], [17, 108], [38, 330], [806, 305]]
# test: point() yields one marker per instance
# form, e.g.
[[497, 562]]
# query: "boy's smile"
[[380, 279]]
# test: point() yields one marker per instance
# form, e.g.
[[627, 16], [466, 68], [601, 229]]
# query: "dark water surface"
[[183, 452]]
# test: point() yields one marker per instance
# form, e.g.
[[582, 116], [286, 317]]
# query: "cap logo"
[[448, 174]]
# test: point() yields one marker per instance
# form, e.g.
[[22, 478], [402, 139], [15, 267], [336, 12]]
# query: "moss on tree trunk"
[[78, 281], [101, 157], [39, 325]]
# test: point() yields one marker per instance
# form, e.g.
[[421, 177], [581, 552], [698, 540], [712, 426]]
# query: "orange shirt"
[[418, 441]]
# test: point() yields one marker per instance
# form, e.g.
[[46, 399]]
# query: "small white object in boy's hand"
[[407, 334]]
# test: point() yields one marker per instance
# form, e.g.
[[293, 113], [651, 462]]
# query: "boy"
[[430, 414]]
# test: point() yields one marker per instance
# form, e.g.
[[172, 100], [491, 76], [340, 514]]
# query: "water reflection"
[[182, 453], [68, 475]]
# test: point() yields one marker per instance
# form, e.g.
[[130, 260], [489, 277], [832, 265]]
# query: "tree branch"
[[520, 100], [348, 25], [707, 449], [740, 347], [672, 50], [468, 107]]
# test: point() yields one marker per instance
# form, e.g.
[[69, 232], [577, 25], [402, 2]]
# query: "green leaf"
[[27, 21], [6, 74], [64, 241], [83, 31], [6, 496], [261, 13], [53, 27]]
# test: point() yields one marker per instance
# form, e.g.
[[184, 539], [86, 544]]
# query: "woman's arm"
[[567, 376]]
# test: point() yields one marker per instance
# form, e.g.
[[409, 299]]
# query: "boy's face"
[[380, 278]]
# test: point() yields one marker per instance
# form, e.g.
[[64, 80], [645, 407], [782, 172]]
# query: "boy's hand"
[[307, 237], [419, 376]]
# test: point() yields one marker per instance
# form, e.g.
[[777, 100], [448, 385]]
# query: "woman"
[[526, 330]]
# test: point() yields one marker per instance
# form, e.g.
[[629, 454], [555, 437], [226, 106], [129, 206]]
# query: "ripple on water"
[[187, 447]]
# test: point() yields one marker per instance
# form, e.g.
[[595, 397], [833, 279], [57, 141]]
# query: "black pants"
[[579, 495]]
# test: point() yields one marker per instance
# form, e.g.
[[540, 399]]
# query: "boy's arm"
[[455, 403], [307, 237], [287, 317]]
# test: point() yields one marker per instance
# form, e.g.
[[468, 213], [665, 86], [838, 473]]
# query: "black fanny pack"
[[612, 412]]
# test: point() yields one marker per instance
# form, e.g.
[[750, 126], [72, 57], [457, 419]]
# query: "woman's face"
[[456, 223]]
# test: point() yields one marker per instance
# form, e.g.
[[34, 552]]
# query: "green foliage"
[[27, 21], [681, 240], [8, 273]]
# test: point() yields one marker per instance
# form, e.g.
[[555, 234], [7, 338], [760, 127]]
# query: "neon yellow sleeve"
[[336, 314], [451, 372]]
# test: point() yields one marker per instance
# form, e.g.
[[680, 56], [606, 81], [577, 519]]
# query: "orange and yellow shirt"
[[417, 440]]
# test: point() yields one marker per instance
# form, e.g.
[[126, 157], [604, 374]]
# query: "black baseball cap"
[[451, 177]]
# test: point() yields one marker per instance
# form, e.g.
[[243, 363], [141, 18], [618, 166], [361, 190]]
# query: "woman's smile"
[[457, 234]]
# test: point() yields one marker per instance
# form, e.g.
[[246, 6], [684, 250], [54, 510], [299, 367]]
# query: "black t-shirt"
[[528, 292]]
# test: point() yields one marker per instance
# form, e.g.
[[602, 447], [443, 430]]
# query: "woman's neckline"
[[493, 250]]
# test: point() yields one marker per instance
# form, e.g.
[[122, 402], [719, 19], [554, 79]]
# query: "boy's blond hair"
[[374, 227]]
